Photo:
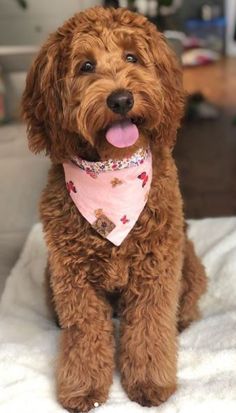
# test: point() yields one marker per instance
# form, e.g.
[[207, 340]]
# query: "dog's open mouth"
[[123, 133]]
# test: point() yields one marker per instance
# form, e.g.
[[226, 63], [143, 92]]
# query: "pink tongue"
[[122, 134]]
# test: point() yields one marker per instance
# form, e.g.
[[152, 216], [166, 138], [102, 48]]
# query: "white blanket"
[[207, 356]]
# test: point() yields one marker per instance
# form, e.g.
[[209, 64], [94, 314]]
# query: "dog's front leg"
[[148, 349], [86, 358]]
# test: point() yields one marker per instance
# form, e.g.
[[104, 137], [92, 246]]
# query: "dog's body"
[[154, 275]]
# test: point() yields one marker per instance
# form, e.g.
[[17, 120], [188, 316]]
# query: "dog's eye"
[[131, 58], [87, 67]]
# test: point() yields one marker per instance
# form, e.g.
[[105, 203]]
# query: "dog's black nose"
[[120, 101]]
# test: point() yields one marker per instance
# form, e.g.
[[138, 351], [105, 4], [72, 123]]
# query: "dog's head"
[[105, 83]]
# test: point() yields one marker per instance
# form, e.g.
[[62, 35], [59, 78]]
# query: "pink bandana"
[[111, 194]]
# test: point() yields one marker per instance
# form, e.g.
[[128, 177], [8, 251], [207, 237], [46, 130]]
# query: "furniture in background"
[[205, 151], [23, 176]]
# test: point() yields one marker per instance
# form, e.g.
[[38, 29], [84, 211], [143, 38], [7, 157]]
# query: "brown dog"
[[101, 67]]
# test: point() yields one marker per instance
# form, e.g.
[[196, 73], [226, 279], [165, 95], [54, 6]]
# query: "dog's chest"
[[108, 273]]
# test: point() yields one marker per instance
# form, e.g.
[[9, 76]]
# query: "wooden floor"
[[206, 150]]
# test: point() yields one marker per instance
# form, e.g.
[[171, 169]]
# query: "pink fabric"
[[110, 195]]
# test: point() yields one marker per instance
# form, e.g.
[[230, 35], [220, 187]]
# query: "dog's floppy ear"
[[41, 96], [169, 72]]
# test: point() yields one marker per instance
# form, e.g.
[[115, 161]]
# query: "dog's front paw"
[[148, 394], [82, 403]]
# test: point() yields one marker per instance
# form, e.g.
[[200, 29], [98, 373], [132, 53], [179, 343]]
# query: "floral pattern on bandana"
[[94, 168]]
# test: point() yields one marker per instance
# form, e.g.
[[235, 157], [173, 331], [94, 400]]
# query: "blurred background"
[[202, 33]]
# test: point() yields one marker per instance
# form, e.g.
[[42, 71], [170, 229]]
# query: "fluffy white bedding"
[[207, 356]]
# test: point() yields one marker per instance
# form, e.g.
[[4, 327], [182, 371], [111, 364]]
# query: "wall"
[[31, 26], [28, 27]]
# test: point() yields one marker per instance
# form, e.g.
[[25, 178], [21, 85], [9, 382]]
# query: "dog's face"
[[106, 81], [110, 94]]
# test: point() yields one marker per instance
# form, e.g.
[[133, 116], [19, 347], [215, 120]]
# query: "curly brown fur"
[[155, 271]]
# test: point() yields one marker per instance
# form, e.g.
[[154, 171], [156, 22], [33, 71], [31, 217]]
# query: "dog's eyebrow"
[[131, 41], [124, 38], [83, 44], [84, 51]]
